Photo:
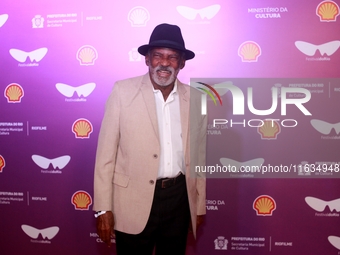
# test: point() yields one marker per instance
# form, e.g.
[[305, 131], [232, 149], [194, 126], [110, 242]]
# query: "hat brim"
[[145, 48]]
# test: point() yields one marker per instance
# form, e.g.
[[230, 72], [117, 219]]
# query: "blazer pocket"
[[121, 179]]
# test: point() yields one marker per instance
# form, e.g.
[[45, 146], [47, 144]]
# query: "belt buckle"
[[164, 183], [168, 182]]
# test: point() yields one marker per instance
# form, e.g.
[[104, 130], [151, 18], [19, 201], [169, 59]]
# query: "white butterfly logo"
[[310, 49], [191, 13], [335, 241], [324, 127], [83, 90], [253, 163], [44, 163], [21, 56], [320, 205], [34, 232], [3, 19]]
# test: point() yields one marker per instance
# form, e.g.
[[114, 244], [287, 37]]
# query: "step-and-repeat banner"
[[268, 74]]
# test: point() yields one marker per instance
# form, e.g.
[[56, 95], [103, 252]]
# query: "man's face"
[[164, 65]]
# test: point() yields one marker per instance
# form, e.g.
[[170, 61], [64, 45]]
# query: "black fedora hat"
[[167, 36]]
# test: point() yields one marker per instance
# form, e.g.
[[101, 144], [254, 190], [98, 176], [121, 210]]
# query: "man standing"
[[144, 187]]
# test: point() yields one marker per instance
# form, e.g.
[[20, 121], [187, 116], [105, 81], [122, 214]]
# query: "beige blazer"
[[128, 150]]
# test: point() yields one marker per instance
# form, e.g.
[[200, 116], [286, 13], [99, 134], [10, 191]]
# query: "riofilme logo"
[[249, 51], [14, 92], [264, 205], [269, 130], [46, 233], [82, 128], [327, 11], [81, 200], [2, 163], [86, 55]]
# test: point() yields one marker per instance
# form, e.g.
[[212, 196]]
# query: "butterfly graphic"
[[335, 241], [34, 232], [44, 163], [257, 162], [191, 13], [309, 49], [3, 19], [320, 205], [83, 90], [324, 127], [21, 56]]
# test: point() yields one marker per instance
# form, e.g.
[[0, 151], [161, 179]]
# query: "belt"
[[168, 182]]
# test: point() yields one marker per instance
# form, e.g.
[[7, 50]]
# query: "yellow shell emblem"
[[81, 200], [264, 205], [327, 11], [87, 55], [249, 51], [82, 128], [2, 163], [14, 92], [269, 130]]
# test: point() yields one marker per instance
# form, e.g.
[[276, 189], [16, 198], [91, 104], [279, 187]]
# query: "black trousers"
[[167, 227]]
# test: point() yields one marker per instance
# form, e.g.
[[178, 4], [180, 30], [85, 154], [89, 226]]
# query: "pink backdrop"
[[60, 60]]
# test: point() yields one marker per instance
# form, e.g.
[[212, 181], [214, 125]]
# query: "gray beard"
[[163, 82]]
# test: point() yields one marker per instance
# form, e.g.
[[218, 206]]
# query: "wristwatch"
[[97, 214]]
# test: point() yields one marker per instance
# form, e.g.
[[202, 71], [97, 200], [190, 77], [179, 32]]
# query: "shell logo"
[[264, 205], [82, 128], [269, 130], [249, 51], [14, 92], [138, 16], [327, 11], [2, 163], [81, 200], [86, 55]]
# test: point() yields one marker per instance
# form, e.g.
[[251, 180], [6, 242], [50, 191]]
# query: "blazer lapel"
[[149, 99], [184, 104]]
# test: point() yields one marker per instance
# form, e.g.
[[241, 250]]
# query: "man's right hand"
[[105, 224]]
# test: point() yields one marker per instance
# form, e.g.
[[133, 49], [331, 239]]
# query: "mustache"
[[164, 68]]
